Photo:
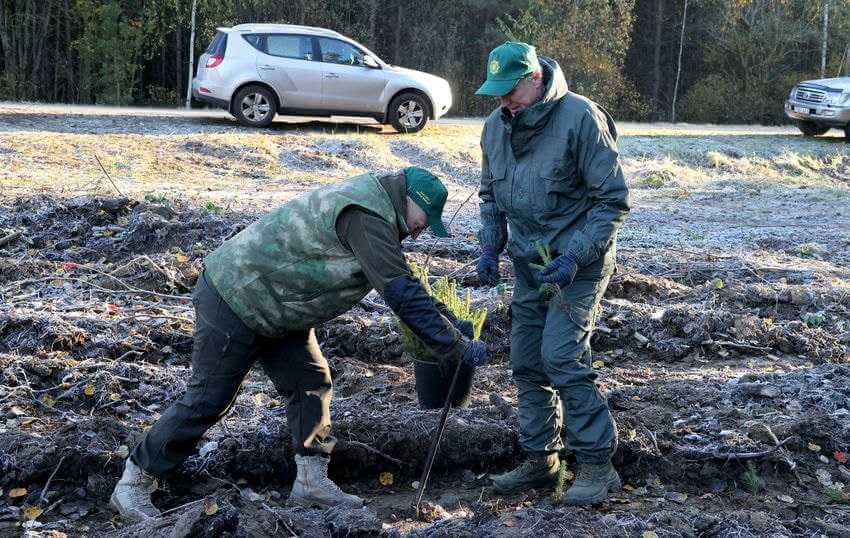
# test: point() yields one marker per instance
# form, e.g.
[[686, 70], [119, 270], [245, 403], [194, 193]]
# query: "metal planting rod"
[[435, 443]]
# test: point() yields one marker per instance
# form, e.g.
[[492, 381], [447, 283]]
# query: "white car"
[[819, 105], [257, 70]]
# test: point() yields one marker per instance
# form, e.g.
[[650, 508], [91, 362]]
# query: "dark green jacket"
[[552, 174]]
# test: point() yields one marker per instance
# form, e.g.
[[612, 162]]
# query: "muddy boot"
[[539, 470], [592, 484], [312, 486], [132, 495]]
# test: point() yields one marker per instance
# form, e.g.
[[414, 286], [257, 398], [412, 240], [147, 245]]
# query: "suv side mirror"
[[369, 61]]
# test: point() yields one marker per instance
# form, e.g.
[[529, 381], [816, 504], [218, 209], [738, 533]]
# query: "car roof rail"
[[286, 28]]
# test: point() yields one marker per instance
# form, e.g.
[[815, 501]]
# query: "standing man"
[[551, 177], [259, 298]]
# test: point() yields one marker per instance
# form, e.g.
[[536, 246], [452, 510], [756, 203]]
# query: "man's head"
[[426, 197], [514, 76]]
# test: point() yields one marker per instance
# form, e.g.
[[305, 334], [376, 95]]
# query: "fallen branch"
[[43, 497], [693, 453], [374, 450], [9, 238], [784, 455], [738, 345], [279, 518]]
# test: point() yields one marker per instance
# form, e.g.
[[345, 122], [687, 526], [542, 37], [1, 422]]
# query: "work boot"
[[539, 470], [312, 486], [592, 484], [132, 494]]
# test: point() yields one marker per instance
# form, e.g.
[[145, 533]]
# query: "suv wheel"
[[408, 113], [847, 133], [809, 128], [254, 106]]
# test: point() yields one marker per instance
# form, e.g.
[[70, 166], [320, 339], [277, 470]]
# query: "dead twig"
[[437, 240], [107, 175], [279, 518], [784, 454], [693, 453], [9, 238], [739, 345], [43, 497], [374, 450], [654, 439]]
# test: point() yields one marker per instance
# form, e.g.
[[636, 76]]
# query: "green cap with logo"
[[430, 194], [507, 64]]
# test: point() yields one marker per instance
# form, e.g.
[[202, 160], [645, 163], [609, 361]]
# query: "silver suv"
[[257, 70], [819, 105]]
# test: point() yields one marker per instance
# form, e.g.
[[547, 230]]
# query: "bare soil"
[[722, 343]]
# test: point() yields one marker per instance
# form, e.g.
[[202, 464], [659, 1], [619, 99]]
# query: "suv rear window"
[[218, 45]]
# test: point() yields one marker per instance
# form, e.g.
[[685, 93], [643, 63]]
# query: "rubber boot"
[[312, 486], [538, 470], [132, 495], [592, 484]]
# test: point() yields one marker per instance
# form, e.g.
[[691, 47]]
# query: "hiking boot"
[[312, 486], [536, 471], [592, 484], [132, 494]]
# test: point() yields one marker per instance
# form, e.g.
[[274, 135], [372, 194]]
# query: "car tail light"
[[215, 60]]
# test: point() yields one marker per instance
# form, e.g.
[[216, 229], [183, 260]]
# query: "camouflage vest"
[[288, 270]]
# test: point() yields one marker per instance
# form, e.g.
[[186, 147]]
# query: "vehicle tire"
[[408, 112], [809, 128], [254, 106], [847, 133]]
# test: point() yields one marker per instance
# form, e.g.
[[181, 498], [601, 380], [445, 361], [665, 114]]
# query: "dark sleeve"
[[412, 304], [375, 244], [598, 160]]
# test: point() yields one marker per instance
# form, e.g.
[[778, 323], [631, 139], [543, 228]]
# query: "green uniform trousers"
[[551, 362]]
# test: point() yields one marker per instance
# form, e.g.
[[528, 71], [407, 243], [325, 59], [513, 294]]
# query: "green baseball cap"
[[507, 64], [430, 194]]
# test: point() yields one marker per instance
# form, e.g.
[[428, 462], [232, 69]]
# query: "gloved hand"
[[465, 327], [475, 353], [561, 271], [488, 268]]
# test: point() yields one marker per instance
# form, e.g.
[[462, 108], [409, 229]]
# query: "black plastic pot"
[[432, 384]]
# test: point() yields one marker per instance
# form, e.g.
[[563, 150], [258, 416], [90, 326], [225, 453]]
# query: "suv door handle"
[[266, 67], [331, 75]]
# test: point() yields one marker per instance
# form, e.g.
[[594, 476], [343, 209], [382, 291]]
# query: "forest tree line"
[[702, 60]]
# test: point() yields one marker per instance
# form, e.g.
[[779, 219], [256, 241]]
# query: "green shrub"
[[711, 100], [445, 291], [157, 198]]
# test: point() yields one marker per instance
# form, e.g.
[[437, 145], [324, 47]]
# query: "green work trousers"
[[551, 362]]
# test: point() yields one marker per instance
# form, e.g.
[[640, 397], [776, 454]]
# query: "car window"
[[218, 44], [339, 52], [289, 46], [256, 41]]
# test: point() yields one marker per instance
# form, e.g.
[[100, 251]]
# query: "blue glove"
[[488, 268], [475, 353], [465, 327], [561, 271]]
